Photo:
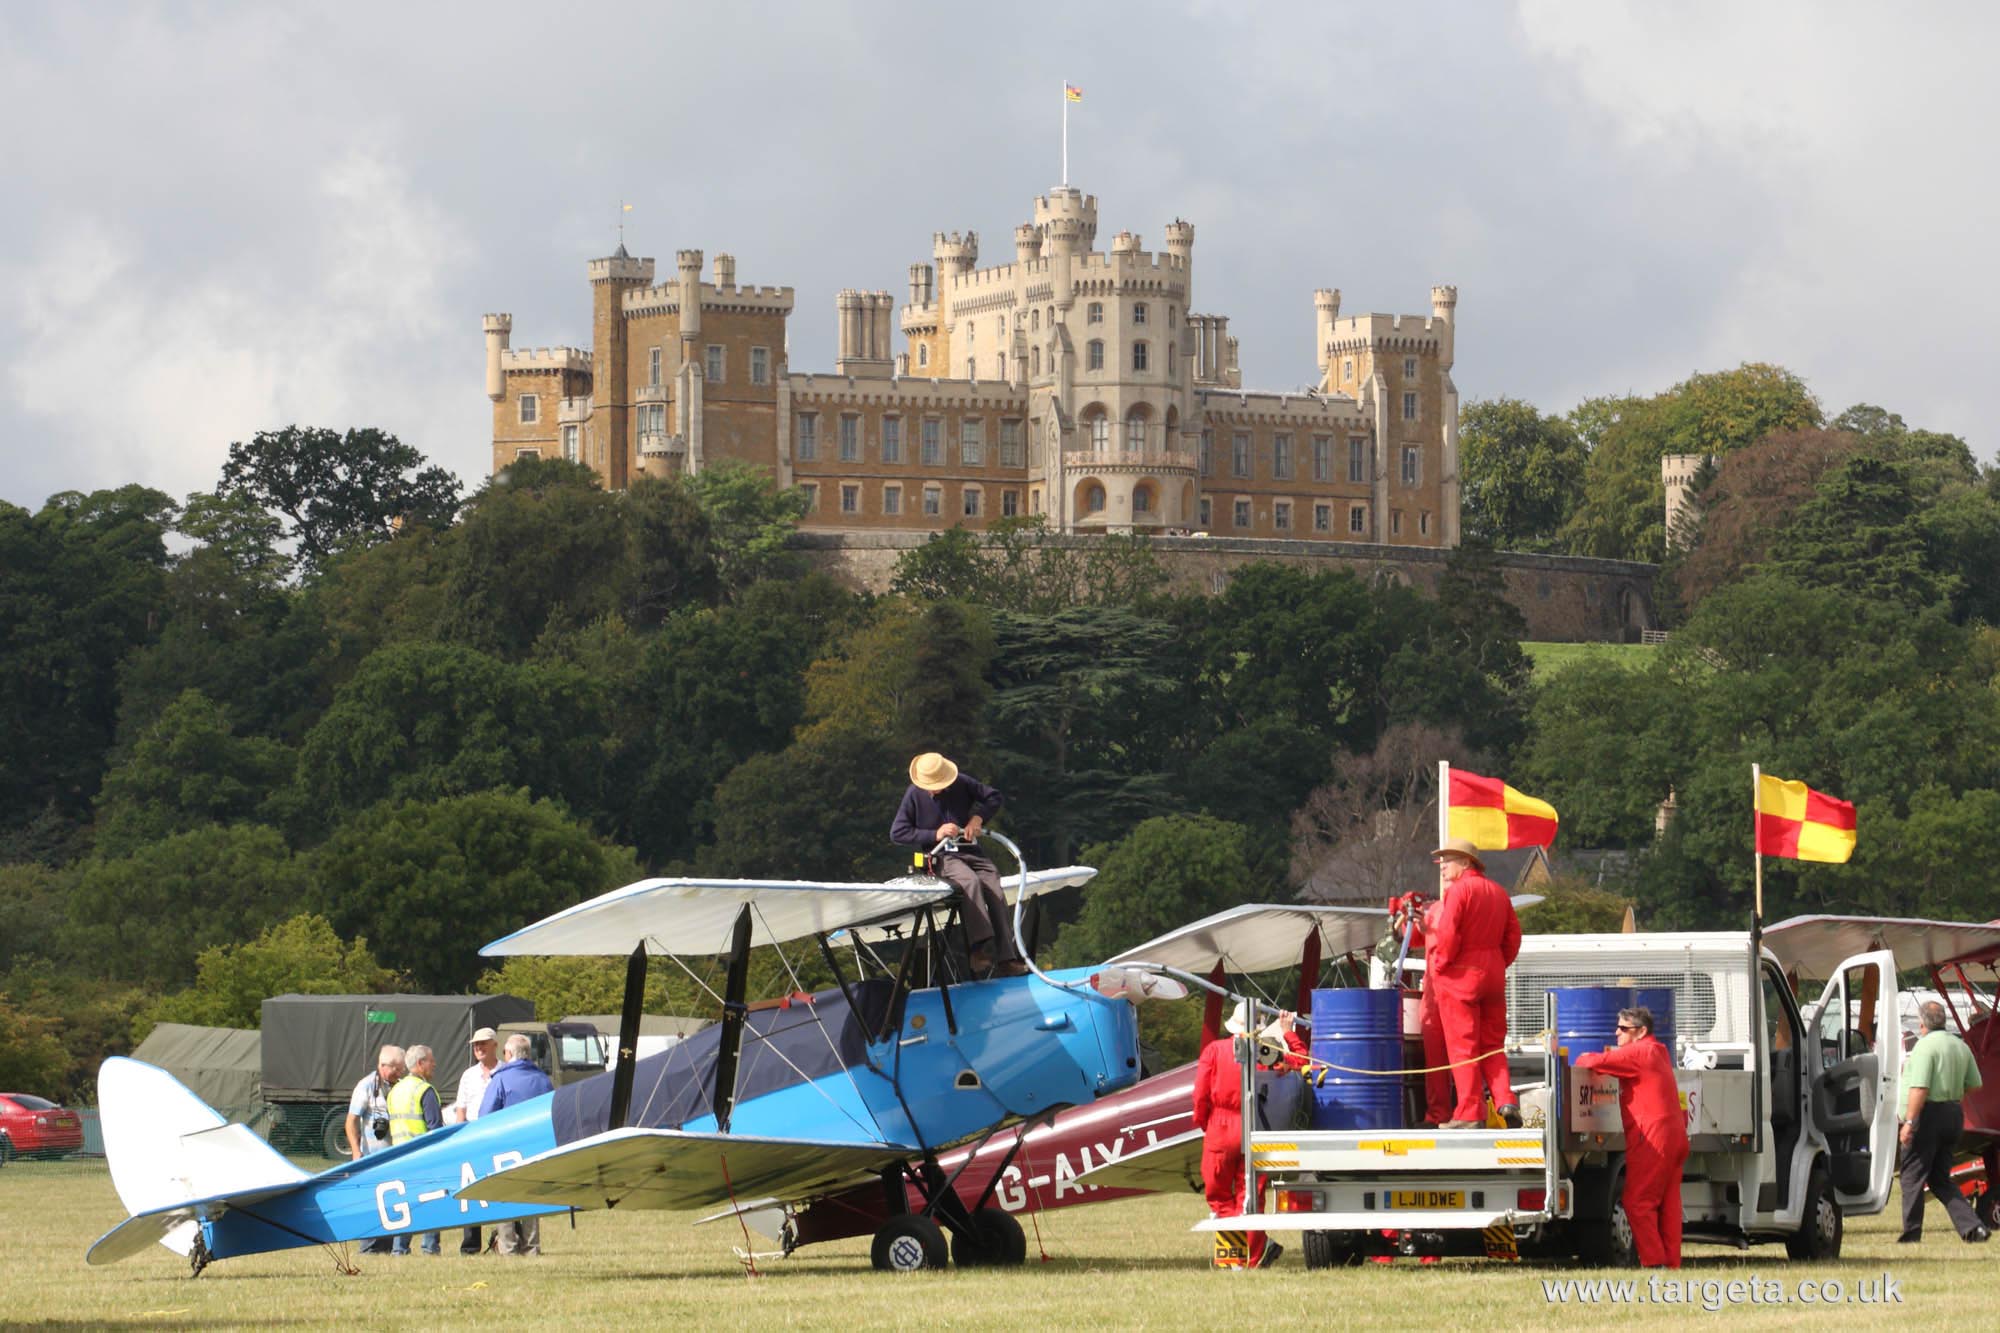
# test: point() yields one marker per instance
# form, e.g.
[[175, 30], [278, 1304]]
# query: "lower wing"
[[1170, 1164], [670, 1168]]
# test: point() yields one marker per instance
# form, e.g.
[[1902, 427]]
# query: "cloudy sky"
[[226, 218]]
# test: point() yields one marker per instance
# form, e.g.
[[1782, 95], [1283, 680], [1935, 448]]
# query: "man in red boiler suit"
[[1656, 1141], [1474, 936], [1218, 1113]]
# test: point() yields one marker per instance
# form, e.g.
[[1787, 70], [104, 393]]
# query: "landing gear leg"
[[198, 1257]]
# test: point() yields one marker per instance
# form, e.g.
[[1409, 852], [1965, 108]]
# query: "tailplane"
[[168, 1152]]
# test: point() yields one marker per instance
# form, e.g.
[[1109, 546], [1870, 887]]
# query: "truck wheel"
[[1330, 1249], [994, 1241], [333, 1135], [1606, 1242], [909, 1243], [1819, 1233]]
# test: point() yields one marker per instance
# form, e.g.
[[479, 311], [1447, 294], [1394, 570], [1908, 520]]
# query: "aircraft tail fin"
[[167, 1149]]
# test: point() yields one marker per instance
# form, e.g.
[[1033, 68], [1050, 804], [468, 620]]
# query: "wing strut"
[[732, 1020], [628, 1036]]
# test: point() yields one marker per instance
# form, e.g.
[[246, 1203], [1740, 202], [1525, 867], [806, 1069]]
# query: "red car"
[[36, 1126]]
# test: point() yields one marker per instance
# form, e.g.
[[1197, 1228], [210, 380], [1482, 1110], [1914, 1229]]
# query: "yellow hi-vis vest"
[[406, 1108]]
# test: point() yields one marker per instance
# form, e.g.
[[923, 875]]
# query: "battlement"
[[665, 299], [1362, 331], [1443, 297], [621, 267], [544, 359], [502, 323], [1332, 410], [914, 394]]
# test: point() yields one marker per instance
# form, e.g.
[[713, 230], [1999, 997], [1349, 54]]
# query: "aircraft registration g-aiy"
[[801, 1098]]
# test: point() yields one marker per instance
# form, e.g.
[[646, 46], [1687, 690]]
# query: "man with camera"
[[368, 1118]]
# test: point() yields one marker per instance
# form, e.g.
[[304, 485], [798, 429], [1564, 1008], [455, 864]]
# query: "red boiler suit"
[[1656, 1144], [1474, 935], [1437, 1082], [1218, 1114]]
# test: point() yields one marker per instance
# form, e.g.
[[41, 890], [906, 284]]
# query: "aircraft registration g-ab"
[[809, 1096]]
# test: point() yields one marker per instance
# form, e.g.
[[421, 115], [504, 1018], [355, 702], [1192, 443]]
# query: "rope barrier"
[[1324, 1066]]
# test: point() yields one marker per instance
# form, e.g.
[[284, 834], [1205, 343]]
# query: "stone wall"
[[1566, 599]]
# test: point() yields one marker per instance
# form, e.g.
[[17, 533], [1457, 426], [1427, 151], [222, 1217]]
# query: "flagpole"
[[1065, 135], [1444, 801], [1757, 911]]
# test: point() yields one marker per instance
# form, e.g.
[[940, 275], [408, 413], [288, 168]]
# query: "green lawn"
[[1550, 658], [1121, 1265]]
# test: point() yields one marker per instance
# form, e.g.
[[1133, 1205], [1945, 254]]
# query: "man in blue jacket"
[[944, 803], [516, 1080]]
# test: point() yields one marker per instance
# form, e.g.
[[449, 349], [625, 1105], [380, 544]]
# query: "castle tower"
[[610, 390], [1326, 310], [1180, 240], [1677, 473], [499, 331], [1068, 221], [1444, 314], [921, 286], [725, 272], [956, 255], [1027, 243], [1444, 309]]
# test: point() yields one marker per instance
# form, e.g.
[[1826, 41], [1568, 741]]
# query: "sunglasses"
[[1630, 1027]]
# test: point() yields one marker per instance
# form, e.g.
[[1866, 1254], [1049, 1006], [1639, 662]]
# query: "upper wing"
[[1816, 945], [1170, 1164], [1261, 937], [696, 916], [1039, 883], [669, 1168]]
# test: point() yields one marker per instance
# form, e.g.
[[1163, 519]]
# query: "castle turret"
[[1180, 240], [956, 255], [1068, 220], [688, 264], [921, 288], [1027, 243], [499, 331], [1444, 309], [863, 333], [1326, 308], [1126, 243], [725, 272]]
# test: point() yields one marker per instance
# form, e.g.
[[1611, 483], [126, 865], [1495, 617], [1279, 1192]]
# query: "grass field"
[[1121, 1265], [1550, 658]]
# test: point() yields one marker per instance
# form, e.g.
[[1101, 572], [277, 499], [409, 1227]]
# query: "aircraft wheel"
[[909, 1243], [1988, 1207], [995, 1241]]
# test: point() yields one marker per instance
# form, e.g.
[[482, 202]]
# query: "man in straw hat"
[[945, 803], [1218, 1114], [1473, 936]]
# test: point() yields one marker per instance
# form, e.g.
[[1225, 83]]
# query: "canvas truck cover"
[[317, 1047], [218, 1065]]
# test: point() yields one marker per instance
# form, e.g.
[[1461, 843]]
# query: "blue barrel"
[[1586, 1017], [1358, 1029]]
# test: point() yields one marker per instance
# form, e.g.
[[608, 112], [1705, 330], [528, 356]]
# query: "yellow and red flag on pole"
[[1072, 92], [1794, 820], [1495, 816]]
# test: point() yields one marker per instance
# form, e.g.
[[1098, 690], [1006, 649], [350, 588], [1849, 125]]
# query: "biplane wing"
[[1260, 937], [1815, 945], [1039, 883], [1170, 1165], [670, 1168]]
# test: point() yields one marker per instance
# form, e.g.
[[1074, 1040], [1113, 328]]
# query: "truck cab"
[[1791, 1120]]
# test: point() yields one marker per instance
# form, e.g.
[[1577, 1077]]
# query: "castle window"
[[1142, 500], [1241, 516], [1012, 452], [806, 445], [1094, 355], [1347, 368], [923, 354], [1138, 356], [531, 409], [1357, 459], [653, 362], [933, 502], [1034, 360], [1035, 320], [1000, 366], [1409, 407], [972, 442], [1357, 518], [1003, 326], [760, 365], [933, 442], [892, 499], [1322, 518], [1322, 458], [1035, 500], [971, 369], [850, 499], [811, 492], [971, 332], [1424, 522], [850, 438], [1412, 464], [1206, 509], [1135, 429], [715, 363], [1239, 455], [570, 443], [1395, 522], [1281, 457], [1281, 515], [527, 453], [1138, 312], [1100, 431], [1409, 367], [892, 439], [1207, 452], [1010, 504], [1093, 499], [971, 502], [1096, 313]]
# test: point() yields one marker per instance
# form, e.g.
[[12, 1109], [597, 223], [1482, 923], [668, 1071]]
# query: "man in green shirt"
[[1936, 1073]]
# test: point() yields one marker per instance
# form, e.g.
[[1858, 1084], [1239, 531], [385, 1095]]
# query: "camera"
[[379, 1127]]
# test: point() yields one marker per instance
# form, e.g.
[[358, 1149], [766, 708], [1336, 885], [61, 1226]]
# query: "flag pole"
[[1757, 910], [1444, 801], [1065, 134]]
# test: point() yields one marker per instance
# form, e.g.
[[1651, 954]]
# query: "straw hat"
[[1462, 847], [932, 771], [1239, 1023]]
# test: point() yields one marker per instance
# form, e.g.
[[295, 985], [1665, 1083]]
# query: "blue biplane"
[[791, 1100]]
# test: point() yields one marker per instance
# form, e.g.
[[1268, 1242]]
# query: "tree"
[[1861, 531], [31, 912], [673, 550], [338, 489], [1604, 746], [31, 1054], [1754, 494], [299, 956], [1520, 472], [430, 881], [818, 809], [913, 674], [1571, 905], [948, 565], [541, 548], [1355, 839], [186, 771], [751, 521], [1168, 871]]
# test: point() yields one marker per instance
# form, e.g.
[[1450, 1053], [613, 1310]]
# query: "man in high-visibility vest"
[[414, 1110]]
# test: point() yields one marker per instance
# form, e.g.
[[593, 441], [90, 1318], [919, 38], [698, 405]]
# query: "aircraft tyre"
[[1987, 1205], [1818, 1236], [909, 1243], [1330, 1249], [995, 1241]]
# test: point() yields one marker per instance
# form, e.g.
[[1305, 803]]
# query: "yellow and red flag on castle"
[[1495, 816], [1072, 92], [1794, 820]]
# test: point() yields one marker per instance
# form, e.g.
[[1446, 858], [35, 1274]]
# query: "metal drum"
[[1358, 1029], [1586, 1017]]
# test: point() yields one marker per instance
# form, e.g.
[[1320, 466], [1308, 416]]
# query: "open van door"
[[1858, 1036]]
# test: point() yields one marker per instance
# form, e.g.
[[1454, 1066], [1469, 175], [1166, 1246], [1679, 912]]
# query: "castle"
[[1074, 383]]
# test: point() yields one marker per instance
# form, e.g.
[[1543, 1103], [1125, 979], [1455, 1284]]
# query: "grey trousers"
[[519, 1237], [987, 921], [1927, 1162]]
